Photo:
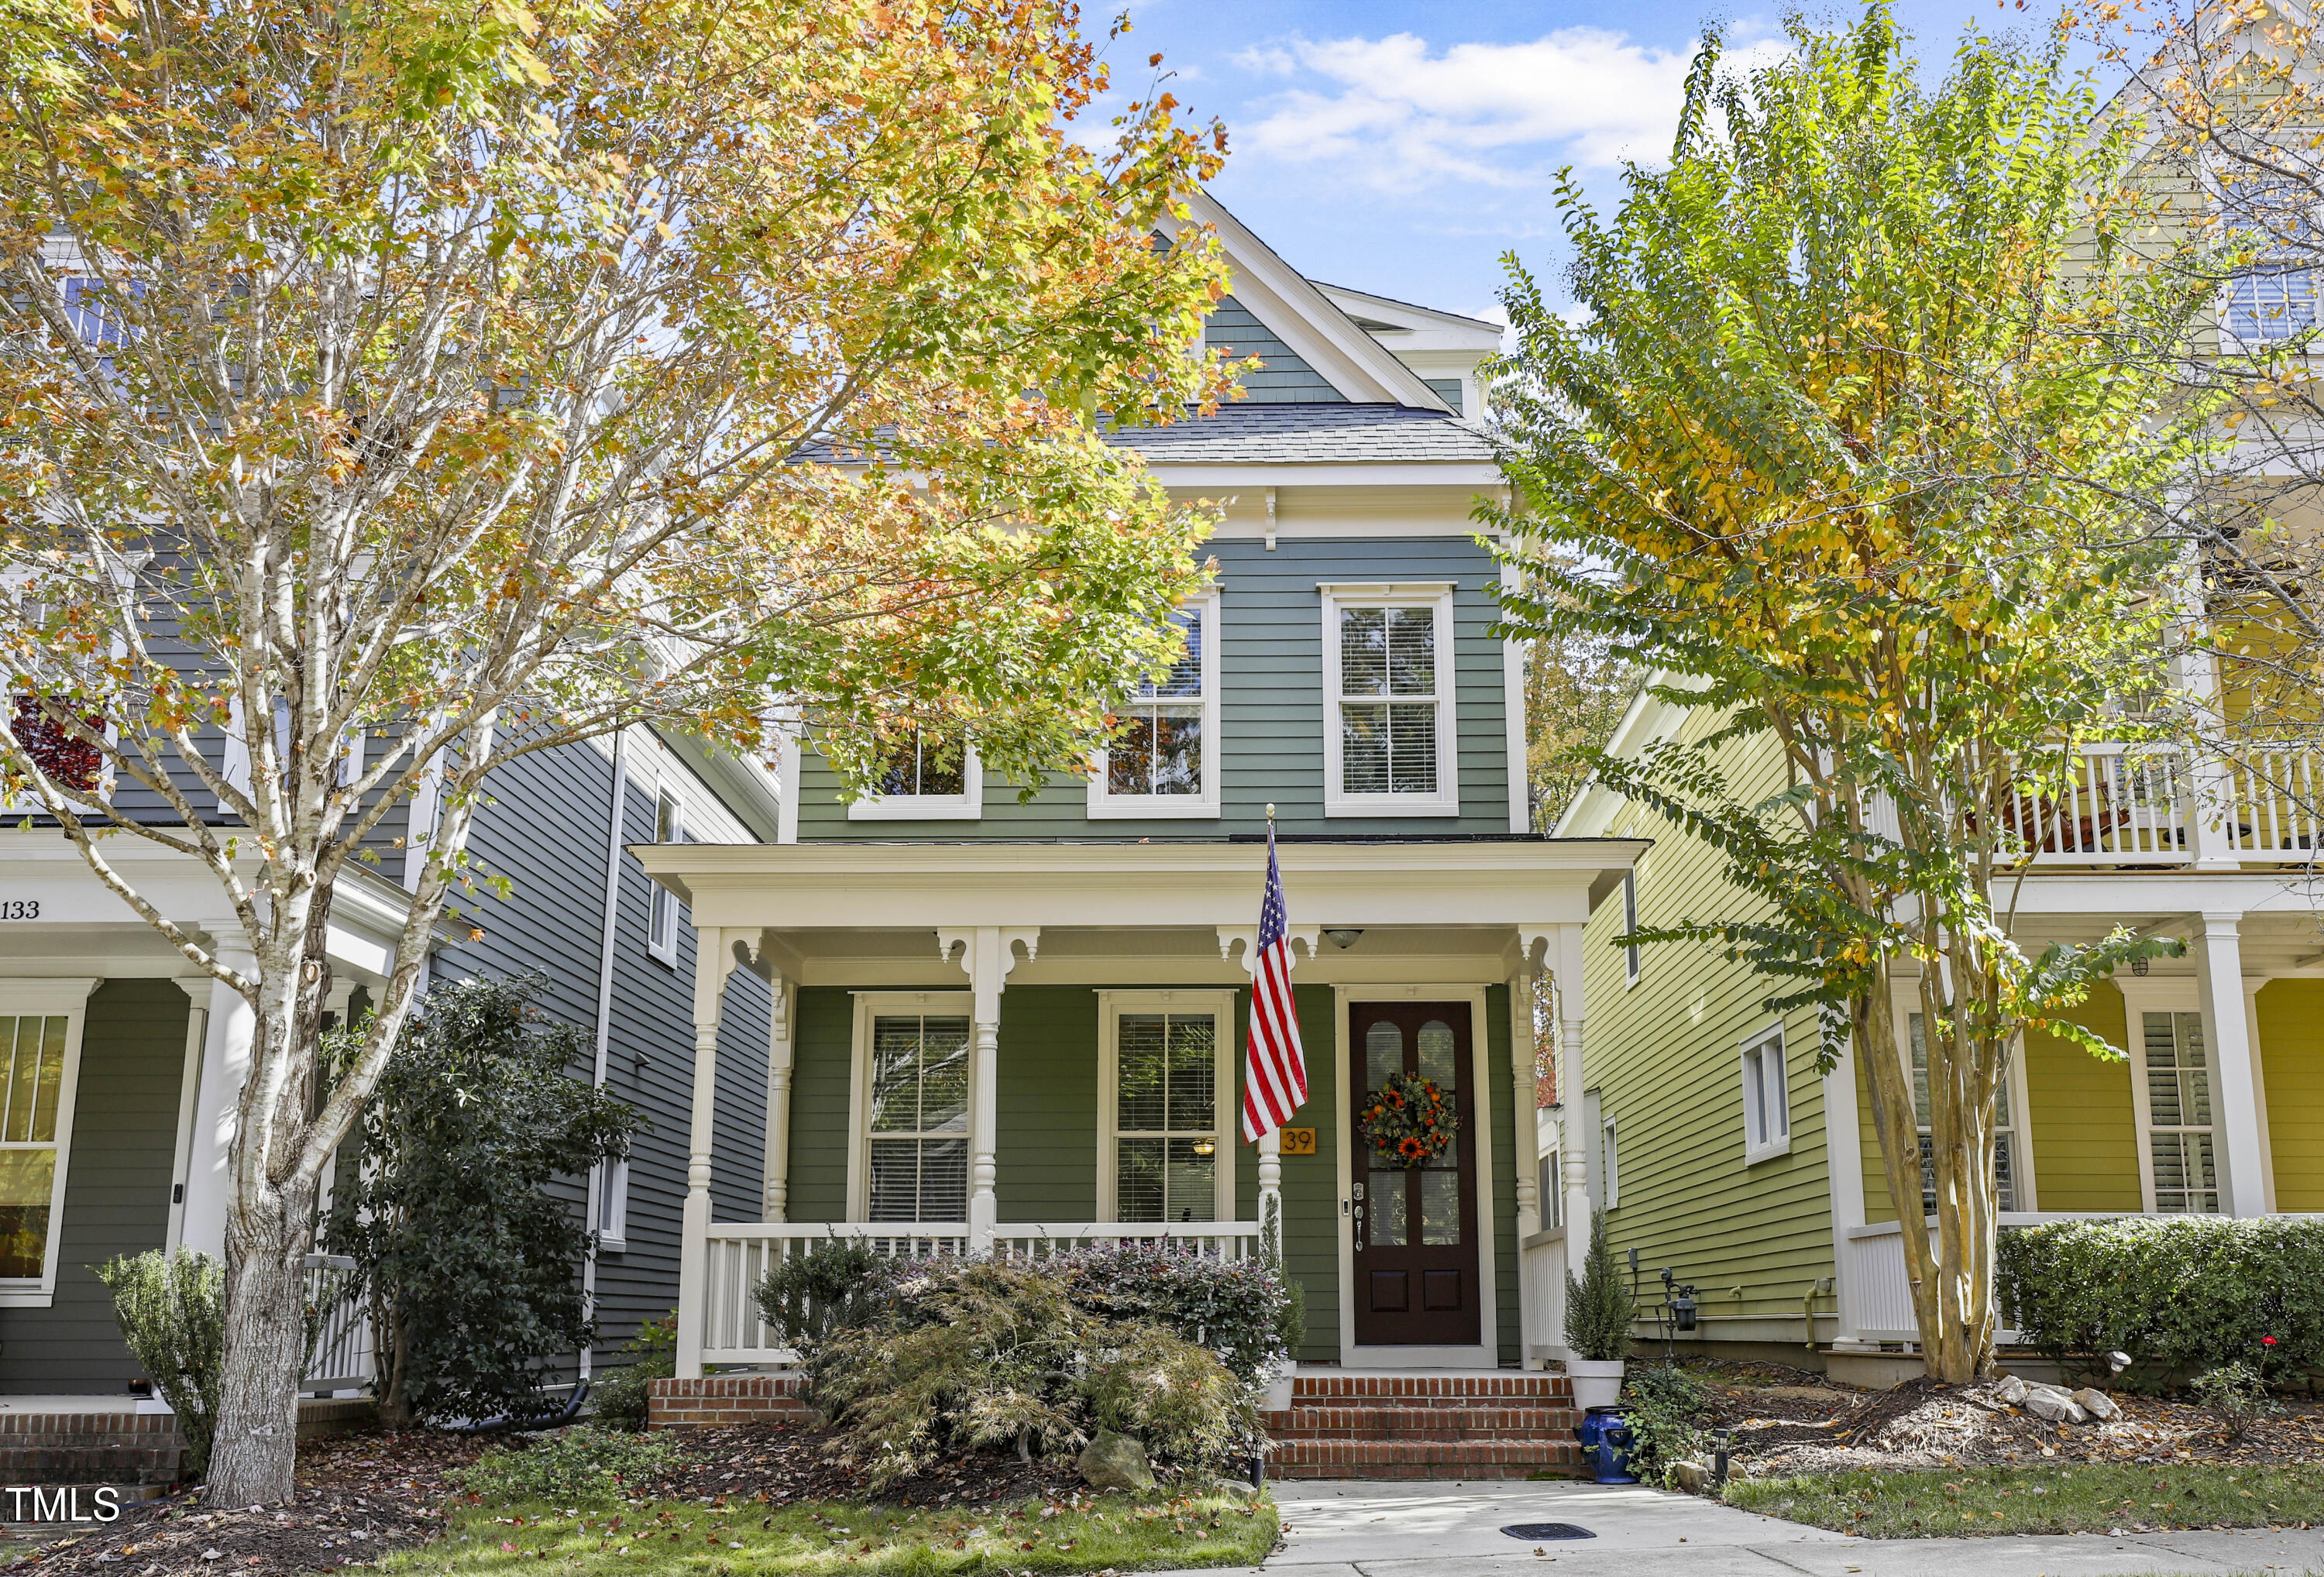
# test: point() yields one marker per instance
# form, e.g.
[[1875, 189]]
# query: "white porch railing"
[[2146, 803], [1541, 1276], [1880, 1296], [740, 1254], [343, 1359], [2274, 790]]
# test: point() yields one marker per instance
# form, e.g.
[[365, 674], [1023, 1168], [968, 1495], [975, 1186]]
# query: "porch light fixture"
[[2139, 966], [1203, 1146], [1344, 937]]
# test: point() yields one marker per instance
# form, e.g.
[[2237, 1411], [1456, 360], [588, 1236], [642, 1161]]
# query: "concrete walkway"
[[1440, 1529]]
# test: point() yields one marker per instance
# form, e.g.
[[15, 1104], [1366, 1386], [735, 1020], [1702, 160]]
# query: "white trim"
[[867, 1005], [1609, 1160], [1221, 1006], [1488, 1343], [612, 1223], [1777, 1140], [967, 806], [662, 923], [67, 998], [1634, 966], [1437, 596], [1513, 721], [1106, 806]]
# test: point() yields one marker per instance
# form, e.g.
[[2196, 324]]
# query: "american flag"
[[1274, 1070]]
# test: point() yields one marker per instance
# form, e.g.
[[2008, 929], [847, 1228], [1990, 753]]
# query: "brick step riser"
[[1517, 1418], [90, 1465], [1422, 1391], [1356, 1455], [1467, 1473]]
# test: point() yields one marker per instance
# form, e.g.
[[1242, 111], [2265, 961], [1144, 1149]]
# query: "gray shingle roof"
[[1293, 435]]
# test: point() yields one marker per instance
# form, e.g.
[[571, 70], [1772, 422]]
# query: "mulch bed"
[[1923, 1424], [361, 1497]]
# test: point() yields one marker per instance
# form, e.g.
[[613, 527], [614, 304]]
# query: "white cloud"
[[1404, 116]]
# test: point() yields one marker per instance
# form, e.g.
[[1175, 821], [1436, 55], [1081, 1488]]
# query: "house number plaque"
[[1298, 1141]]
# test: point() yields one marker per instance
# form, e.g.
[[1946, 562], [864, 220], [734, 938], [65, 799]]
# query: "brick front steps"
[[1426, 1426], [1446, 1425], [135, 1452]]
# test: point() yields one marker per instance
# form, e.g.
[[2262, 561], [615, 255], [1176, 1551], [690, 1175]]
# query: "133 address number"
[[20, 909]]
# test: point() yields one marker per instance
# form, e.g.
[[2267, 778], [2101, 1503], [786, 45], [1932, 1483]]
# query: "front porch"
[[1047, 1038]]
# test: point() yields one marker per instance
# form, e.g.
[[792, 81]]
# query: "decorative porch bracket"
[[988, 953]]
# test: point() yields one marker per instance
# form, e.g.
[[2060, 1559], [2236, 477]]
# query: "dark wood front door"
[[1415, 1226]]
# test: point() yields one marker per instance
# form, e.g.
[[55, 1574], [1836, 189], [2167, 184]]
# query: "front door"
[[1415, 1225]]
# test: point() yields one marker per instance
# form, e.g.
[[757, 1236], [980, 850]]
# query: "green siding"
[[1047, 1089], [1500, 1114], [2292, 1061], [2085, 1134], [1284, 378], [124, 1140], [1311, 1184], [1271, 708], [821, 1068]]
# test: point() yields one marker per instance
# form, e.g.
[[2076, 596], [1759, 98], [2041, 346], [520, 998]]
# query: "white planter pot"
[[1279, 1387], [1597, 1382]]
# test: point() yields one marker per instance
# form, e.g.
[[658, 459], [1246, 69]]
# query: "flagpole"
[[1270, 1149]]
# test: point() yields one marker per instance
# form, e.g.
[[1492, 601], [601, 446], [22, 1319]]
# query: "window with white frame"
[[1549, 1186], [1610, 1162], [614, 1206], [1388, 694], [662, 920], [1630, 961], [2005, 1126], [925, 776], [1767, 1098], [40, 1055], [915, 1117], [2276, 296], [1163, 757], [2176, 1096], [1166, 1078]]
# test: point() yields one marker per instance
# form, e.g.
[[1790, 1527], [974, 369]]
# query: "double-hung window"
[[912, 1102], [2175, 1095], [1163, 758], [2277, 294], [40, 1057], [2005, 1126], [1767, 1098], [661, 918], [1389, 701], [1167, 1083], [925, 776]]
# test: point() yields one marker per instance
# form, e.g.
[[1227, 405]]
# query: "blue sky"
[[1402, 148]]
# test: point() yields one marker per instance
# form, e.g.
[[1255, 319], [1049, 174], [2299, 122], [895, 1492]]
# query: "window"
[[1166, 1078], [2005, 1127], [1629, 924], [2176, 1090], [2274, 297], [925, 776], [1549, 1185], [614, 1206], [1163, 759], [39, 1060], [1387, 676], [661, 921], [2272, 303], [916, 1118], [1767, 1099], [1610, 1162]]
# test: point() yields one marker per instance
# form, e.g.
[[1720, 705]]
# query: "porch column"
[[988, 953], [775, 1201], [2238, 1146], [1573, 1150], [217, 1106], [713, 962]]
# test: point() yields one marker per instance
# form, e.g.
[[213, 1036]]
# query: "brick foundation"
[[719, 1401]]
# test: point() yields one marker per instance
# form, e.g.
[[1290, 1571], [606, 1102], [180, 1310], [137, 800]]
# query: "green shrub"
[[974, 1353], [649, 1355], [582, 1466], [840, 1283], [1665, 1405], [2180, 1294], [2237, 1393], [1599, 1302], [1240, 1309], [171, 1309]]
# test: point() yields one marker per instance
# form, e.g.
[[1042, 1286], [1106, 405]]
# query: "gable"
[[1235, 331]]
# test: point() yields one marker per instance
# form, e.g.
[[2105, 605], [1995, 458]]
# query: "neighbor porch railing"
[[2150, 804], [343, 1357], [739, 1255], [1541, 1275]]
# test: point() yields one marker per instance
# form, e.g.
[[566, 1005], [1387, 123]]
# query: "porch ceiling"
[[2274, 944]]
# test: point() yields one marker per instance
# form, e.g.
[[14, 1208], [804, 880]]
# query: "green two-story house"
[[1001, 1023]]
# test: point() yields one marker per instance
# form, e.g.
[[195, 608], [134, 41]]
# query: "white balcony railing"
[[2274, 789], [740, 1254], [2140, 803]]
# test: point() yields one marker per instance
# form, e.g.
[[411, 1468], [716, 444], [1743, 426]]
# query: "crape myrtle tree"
[[2229, 99], [391, 389], [1842, 446]]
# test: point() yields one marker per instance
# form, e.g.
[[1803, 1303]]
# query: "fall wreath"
[[1408, 1122]]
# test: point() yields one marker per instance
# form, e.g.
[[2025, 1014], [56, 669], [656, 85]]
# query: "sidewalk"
[[1443, 1529]]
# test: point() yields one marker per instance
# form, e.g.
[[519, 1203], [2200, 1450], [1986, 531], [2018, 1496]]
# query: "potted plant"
[[1598, 1309]]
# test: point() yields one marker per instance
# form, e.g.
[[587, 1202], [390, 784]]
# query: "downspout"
[[604, 1015]]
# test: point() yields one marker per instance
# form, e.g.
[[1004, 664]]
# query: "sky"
[[1403, 148]]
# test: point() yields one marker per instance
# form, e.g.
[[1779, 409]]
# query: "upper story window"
[[2276, 296], [661, 921], [923, 777], [1163, 758], [1388, 694]]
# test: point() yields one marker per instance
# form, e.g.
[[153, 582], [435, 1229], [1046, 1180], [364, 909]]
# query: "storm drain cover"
[[1538, 1531]]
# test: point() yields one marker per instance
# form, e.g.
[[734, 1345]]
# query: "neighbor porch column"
[[713, 961], [1573, 1152], [2238, 1144], [775, 1201]]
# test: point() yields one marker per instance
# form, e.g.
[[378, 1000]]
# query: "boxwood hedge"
[[2178, 1294]]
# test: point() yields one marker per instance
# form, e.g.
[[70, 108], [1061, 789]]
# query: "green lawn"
[[2069, 1498], [808, 1540]]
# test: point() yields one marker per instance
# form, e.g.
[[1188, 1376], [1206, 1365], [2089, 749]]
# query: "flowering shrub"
[[2181, 1295], [1238, 1308], [1408, 1122]]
